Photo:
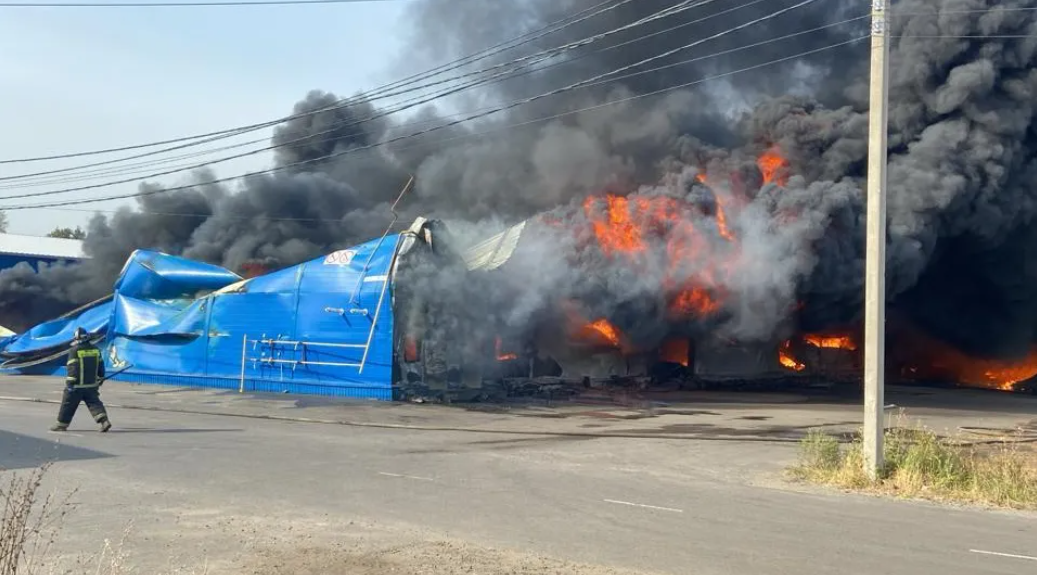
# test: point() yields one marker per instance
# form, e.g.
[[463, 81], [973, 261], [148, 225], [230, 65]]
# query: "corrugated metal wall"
[[287, 326]]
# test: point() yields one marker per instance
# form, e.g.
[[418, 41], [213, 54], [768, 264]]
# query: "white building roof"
[[14, 244]]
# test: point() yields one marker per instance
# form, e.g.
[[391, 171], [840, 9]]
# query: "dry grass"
[[31, 524], [921, 464]]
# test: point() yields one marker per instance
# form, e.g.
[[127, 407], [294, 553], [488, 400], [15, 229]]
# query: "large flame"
[[936, 360], [618, 232], [627, 227], [695, 246], [694, 300], [605, 328], [831, 341], [600, 332], [786, 359], [675, 351], [773, 167]]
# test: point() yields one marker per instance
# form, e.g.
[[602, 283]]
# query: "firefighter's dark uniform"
[[84, 372]]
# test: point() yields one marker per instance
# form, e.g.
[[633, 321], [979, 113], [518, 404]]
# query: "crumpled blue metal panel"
[[58, 332], [302, 329], [134, 307], [154, 275], [143, 318], [171, 354]]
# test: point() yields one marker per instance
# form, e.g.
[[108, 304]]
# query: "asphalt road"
[[667, 506]]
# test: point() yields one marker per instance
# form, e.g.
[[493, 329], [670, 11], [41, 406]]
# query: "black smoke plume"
[[962, 159]]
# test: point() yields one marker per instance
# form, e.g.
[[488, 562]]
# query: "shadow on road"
[[19, 451]]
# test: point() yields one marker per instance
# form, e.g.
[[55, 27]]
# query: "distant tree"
[[68, 233], [3, 222]]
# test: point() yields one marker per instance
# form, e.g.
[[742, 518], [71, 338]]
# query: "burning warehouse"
[[704, 218], [593, 295]]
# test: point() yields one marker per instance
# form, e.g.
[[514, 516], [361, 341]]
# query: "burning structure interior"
[[637, 289], [418, 314]]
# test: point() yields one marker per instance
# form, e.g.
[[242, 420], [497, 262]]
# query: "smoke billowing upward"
[[961, 166]]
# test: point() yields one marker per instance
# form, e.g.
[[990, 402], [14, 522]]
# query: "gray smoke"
[[961, 162]]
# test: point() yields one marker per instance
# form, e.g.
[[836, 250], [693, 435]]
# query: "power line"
[[590, 12], [180, 4], [214, 136], [675, 9], [599, 83], [222, 134], [336, 126], [495, 49], [197, 215], [421, 133], [462, 136]]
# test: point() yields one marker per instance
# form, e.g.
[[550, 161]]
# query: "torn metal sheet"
[[494, 252]]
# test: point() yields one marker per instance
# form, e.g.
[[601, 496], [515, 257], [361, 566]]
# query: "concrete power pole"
[[875, 266]]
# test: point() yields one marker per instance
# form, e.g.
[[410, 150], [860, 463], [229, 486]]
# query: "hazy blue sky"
[[74, 79]]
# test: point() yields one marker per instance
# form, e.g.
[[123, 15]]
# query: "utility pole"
[[875, 263]]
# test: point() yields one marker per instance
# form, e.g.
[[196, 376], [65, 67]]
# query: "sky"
[[76, 79]]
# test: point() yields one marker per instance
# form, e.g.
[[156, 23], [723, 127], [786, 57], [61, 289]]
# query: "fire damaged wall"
[[732, 208]]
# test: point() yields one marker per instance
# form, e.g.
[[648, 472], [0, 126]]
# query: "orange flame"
[[695, 301], [831, 341], [626, 225], [725, 232], [785, 357], [602, 329], [675, 351], [410, 349], [618, 232], [498, 349], [773, 166], [938, 360], [696, 263]]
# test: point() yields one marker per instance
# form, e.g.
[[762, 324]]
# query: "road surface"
[[220, 488]]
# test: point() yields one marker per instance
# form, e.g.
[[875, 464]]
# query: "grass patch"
[[30, 526], [921, 464]]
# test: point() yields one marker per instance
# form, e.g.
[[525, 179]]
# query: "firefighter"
[[84, 376]]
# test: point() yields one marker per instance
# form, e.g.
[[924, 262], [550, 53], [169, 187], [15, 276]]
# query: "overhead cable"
[[338, 125], [534, 58], [610, 103], [335, 127], [505, 107], [179, 4], [342, 102]]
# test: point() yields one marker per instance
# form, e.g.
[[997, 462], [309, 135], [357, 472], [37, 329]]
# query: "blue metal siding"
[[169, 338], [8, 261]]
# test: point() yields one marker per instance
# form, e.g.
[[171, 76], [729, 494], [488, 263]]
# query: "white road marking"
[[1009, 555], [405, 476], [644, 506]]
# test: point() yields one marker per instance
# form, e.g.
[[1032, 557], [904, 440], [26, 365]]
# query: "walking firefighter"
[[84, 374]]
